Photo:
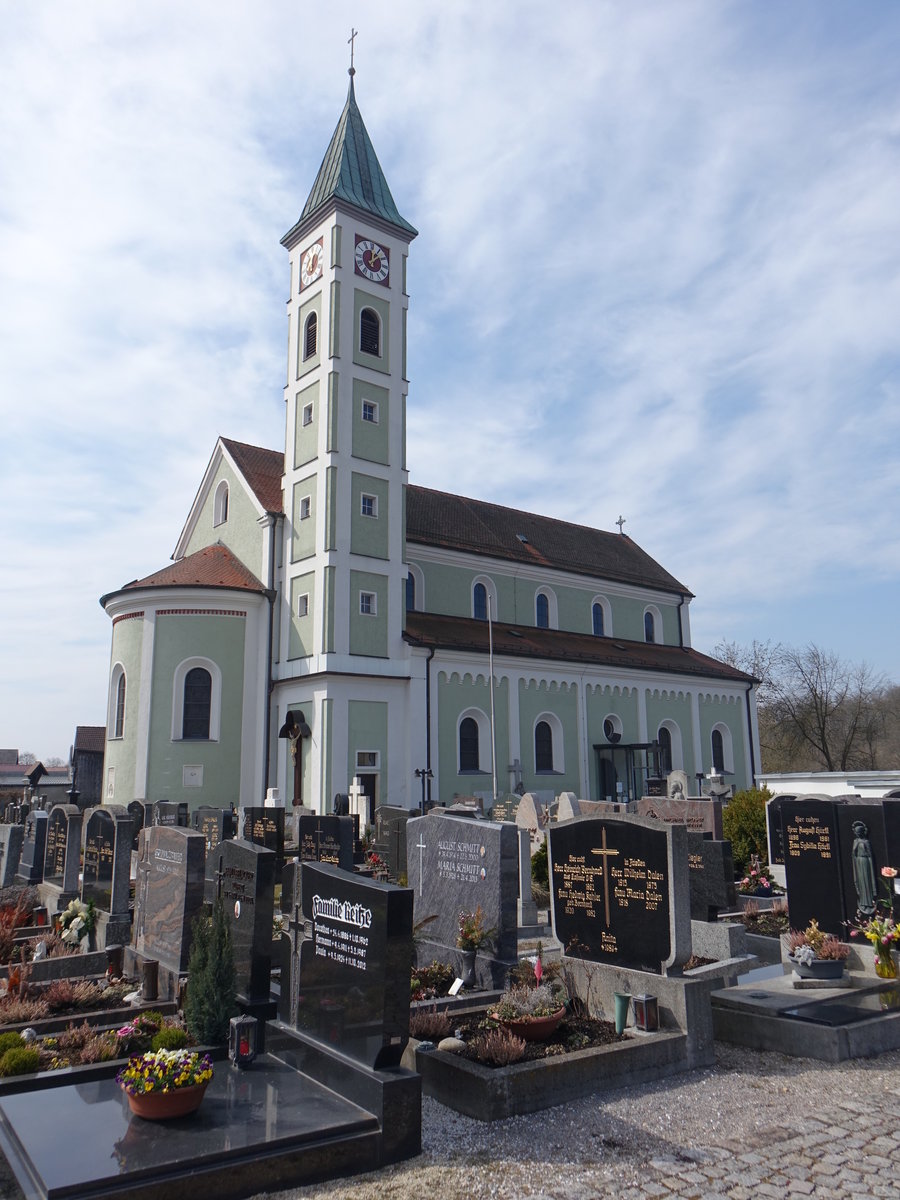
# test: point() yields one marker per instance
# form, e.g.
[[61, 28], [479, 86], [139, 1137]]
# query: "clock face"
[[372, 261], [311, 265]]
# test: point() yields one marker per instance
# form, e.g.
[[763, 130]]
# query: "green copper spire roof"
[[350, 171]]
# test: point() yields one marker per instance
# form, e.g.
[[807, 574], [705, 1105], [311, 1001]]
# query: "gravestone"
[[107, 858], [34, 844], [167, 813], [141, 813], [700, 816], [326, 839], [62, 856], [455, 864], [265, 826], [775, 830], [534, 815], [526, 912], [570, 808], [11, 838], [677, 786], [216, 824], [352, 992], [812, 864], [390, 835], [654, 785], [169, 894], [711, 877], [620, 891], [242, 875], [506, 808], [291, 906]]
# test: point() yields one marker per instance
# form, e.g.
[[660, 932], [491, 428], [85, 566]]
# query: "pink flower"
[[538, 970], [854, 932], [889, 872]]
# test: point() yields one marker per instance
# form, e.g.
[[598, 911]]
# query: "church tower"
[[340, 653]]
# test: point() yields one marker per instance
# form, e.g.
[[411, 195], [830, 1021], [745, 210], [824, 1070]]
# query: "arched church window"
[[597, 613], [543, 747], [718, 751], [311, 336], [649, 627], [410, 592], [220, 506], [197, 704], [119, 718], [468, 744], [541, 611], [664, 738], [479, 602], [369, 332]]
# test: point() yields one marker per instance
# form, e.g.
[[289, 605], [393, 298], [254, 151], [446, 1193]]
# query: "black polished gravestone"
[[63, 850], [265, 826], [242, 875], [711, 877], [390, 836], [167, 813], [352, 993], [11, 838], [775, 829], [812, 864], [31, 863], [620, 891], [216, 824], [869, 838], [326, 839], [141, 813], [107, 859], [169, 894]]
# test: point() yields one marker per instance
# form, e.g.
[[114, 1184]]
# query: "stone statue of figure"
[[863, 870]]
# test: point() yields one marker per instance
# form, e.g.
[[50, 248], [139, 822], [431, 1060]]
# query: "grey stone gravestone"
[[390, 834], [31, 863], [711, 877], [167, 813], [454, 865], [570, 808], [242, 875], [62, 856], [11, 838], [355, 962], [169, 894], [216, 824], [326, 839], [534, 815], [107, 859], [620, 891], [700, 816], [526, 913]]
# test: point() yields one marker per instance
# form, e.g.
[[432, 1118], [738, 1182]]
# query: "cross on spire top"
[[350, 42], [620, 522]]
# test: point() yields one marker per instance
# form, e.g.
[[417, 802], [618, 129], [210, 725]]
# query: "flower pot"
[[622, 1000], [819, 968], [468, 968], [163, 1106], [885, 967], [533, 1029]]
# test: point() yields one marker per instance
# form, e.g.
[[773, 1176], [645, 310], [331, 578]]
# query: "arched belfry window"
[[369, 332], [197, 704], [543, 747], [311, 336], [468, 744]]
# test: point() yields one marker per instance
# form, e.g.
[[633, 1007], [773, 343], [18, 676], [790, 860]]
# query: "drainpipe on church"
[[680, 625], [428, 720], [271, 595]]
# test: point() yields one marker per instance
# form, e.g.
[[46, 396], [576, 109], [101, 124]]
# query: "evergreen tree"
[[210, 1001]]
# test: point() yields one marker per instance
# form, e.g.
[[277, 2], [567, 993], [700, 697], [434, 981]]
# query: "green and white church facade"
[[317, 580]]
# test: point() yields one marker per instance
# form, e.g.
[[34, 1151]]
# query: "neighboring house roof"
[[212, 567], [525, 641], [9, 757], [350, 171], [263, 471], [476, 527], [90, 739]]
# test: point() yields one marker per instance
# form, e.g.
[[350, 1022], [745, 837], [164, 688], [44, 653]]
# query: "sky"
[[657, 276]]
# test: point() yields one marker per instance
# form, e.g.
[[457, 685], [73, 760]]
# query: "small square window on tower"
[[303, 605], [307, 414], [370, 411], [305, 508], [368, 606], [369, 506]]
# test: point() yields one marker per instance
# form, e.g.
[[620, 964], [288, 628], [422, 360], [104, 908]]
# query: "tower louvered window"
[[311, 336], [369, 332]]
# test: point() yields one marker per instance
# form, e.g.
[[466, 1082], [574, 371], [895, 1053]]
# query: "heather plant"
[[427, 1024], [499, 1047]]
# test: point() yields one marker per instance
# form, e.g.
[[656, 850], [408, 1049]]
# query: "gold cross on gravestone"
[[604, 854]]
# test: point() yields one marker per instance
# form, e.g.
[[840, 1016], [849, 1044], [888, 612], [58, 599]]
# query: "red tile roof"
[[476, 527], [90, 738], [213, 566], [262, 469], [525, 641]]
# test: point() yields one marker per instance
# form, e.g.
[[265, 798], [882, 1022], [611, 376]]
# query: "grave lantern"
[[646, 1013], [242, 1040]]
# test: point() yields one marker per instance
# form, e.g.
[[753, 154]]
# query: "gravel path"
[[757, 1125]]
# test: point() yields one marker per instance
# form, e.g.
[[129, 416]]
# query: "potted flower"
[[758, 881], [472, 934], [165, 1083], [532, 1013], [77, 922], [816, 954], [881, 930]]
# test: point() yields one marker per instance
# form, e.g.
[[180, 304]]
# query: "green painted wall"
[[363, 300], [370, 439], [333, 382], [301, 643], [535, 699], [221, 639], [330, 508], [367, 729], [368, 635], [303, 536], [306, 436], [121, 753], [313, 305], [677, 709], [369, 535], [454, 696], [240, 533], [328, 623]]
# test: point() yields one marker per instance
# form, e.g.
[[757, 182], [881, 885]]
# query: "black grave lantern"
[[646, 1013], [242, 1040]]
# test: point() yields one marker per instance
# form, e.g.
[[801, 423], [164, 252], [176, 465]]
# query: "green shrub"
[[210, 1002], [744, 824], [20, 1060], [540, 871], [10, 1041], [172, 1038]]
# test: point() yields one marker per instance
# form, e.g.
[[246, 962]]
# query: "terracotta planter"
[[533, 1029], [164, 1106]]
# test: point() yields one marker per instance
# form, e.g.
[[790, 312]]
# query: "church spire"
[[350, 171]]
